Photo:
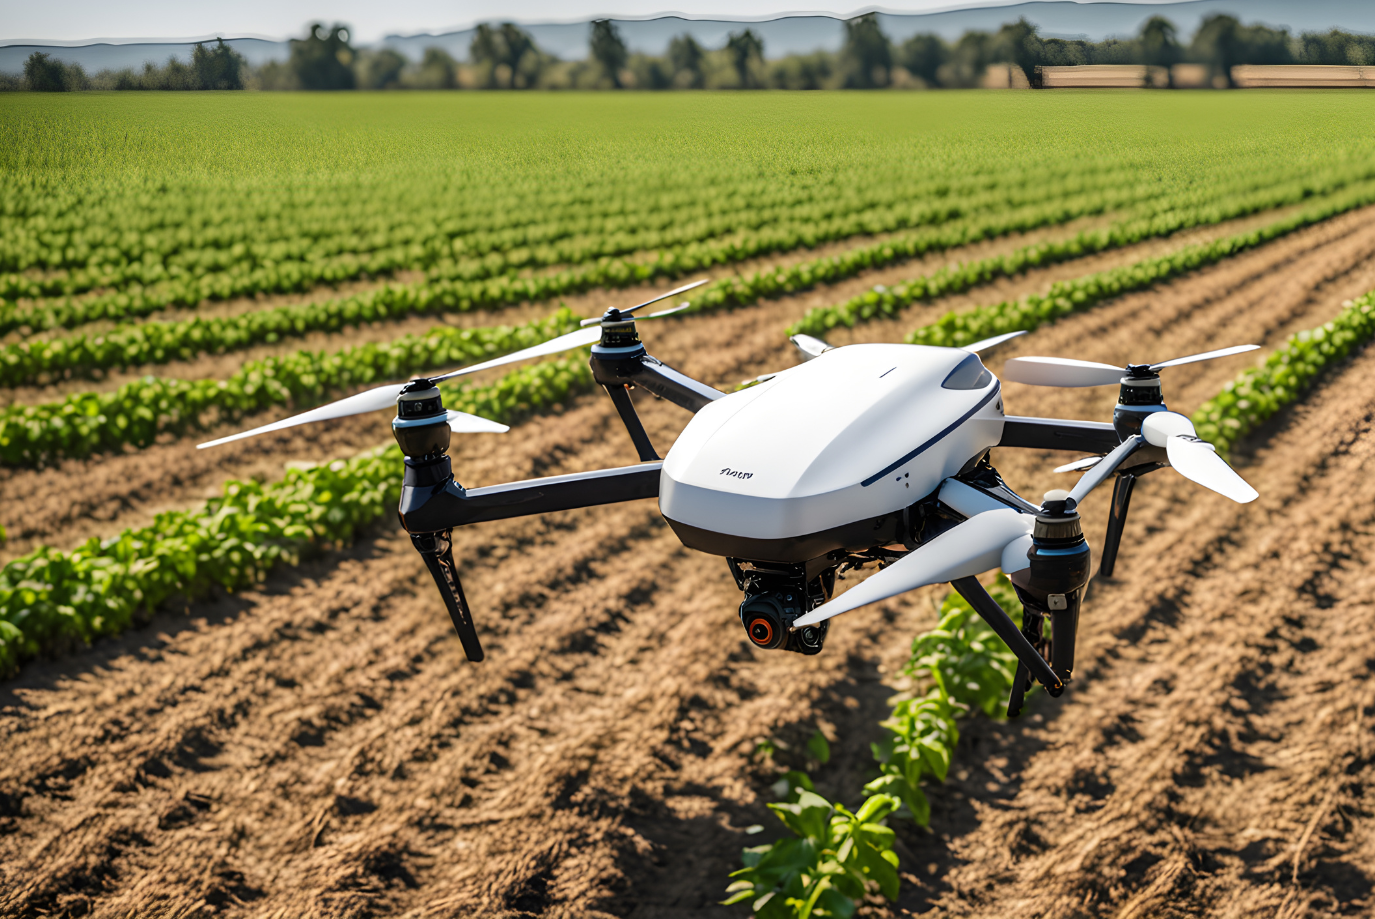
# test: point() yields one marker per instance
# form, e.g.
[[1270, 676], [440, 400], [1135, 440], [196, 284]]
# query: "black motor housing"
[[1053, 585]]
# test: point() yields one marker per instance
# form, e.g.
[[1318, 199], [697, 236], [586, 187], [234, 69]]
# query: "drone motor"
[[1052, 586]]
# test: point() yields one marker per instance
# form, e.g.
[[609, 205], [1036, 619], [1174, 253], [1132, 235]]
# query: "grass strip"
[[140, 411], [51, 600], [1077, 295], [1258, 393]]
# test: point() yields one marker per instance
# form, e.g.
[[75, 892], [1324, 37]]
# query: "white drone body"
[[814, 459], [873, 453]]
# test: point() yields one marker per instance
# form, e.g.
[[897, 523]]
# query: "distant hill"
[[787, 35]]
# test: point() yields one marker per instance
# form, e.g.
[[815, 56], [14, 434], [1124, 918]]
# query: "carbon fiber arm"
[[431, 501], [1059, 434]]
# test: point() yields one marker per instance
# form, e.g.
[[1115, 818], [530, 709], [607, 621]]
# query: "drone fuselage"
[[827, 456]]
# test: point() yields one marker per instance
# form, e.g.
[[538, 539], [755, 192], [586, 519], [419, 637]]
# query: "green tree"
[[803, 71], [220, 67], [505, 53], [745, 48], [324, 58], [1261, 44], [438, 70], [1336, 47], [1159, 43], [1017, 43], [923, 55], [45, 74], [1218, 45], [867, 58], [968, 59], [608, 50], [685, 59], [380, 69]]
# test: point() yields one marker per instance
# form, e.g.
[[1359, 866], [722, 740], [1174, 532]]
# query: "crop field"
[[228, 687]]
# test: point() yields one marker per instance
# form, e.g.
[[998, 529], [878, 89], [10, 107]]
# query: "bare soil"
[[319, 747]]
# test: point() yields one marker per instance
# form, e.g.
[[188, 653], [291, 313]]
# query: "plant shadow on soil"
[[147, 640]]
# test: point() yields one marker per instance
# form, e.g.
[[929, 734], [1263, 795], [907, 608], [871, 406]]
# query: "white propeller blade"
[[463, 423], [575, 339], [382, 397], [987, 343], [1207, 356], [1065, 371], [1195, 459], [1087, 462], [1100, 472], [372, 400], [1060, 371], [671, 293], [809, 346], [971, 547]]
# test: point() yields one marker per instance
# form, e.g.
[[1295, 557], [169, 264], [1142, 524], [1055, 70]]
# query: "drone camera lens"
[[761, 632]]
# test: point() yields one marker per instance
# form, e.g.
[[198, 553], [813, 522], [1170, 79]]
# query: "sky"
[[83, 20]]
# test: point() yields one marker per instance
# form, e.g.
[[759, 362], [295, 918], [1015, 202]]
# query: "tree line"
[[506, 56]]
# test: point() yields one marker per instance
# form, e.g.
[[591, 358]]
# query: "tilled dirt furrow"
[[320, 748]]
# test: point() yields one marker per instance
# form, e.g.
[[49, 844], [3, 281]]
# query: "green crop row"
[[246, 267], [1078, 294], [970, 669], [51, 600], [828, 864], [90, 355], [888, 302], [140, 411], [190, 233], [487, 288], [499, 280], [1258, 393]]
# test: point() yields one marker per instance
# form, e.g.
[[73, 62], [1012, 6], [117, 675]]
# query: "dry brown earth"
[[318, 747]]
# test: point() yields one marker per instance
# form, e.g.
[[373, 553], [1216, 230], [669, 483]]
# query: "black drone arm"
[[619, 361], [1059, 434], [432, 504], [432, 501]]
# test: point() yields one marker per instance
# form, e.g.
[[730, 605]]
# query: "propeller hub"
[[620, 331], [1058, 521], [421, 425]]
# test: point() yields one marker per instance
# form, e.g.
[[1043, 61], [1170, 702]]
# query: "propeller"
[[381, 397], [985, 344], [810, 346], [626, 314], [966, 549], [1068, 372], [1079, 465], [1195, 459]]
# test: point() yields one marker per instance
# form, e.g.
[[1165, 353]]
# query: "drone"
[[861, 454]]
